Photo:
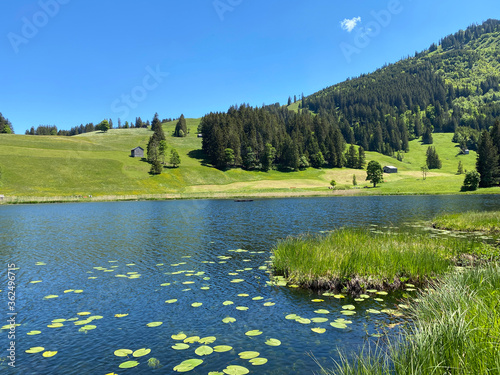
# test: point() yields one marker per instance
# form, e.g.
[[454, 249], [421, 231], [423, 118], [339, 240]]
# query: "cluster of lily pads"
[[202, 345]]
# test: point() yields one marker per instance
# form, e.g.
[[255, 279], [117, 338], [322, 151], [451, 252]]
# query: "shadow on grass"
[[201, 156]]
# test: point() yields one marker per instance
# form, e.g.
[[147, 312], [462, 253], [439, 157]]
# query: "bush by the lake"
[[455, 330], [356, 259], [471, 181], [469, 221]]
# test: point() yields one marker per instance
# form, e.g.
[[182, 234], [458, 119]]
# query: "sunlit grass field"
[[470, 221], [99, 164]]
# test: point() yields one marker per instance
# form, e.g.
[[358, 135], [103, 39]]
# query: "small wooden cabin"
[[390, 169], [137, 152]]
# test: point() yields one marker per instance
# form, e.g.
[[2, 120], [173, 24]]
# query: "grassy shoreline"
[[354, 260], [455, 330], [220, 195], [472, 221]]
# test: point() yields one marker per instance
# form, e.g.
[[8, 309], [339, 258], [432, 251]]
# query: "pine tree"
[[351, 157], [175, 159], [156, 122], [487, 161], [361, 158], [432, 158], [181, 127], [460, 169]]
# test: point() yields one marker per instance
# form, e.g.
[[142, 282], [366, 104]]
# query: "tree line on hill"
[[5, 125], [272, 136]]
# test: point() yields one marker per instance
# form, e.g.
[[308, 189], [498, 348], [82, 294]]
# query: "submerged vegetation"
[[356, 259], [456, 330], [470, 221]]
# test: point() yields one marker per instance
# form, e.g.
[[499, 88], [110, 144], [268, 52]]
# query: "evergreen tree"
[[269, 156], [354, 181], [156, 122], [487, 161], [156, 167], [361, 158], [175, 159], [460, 168], [181, 127], [471, 181], [5, 125], [162, 150], [229, 156], [110, 123], [352, 157], [432, 158]]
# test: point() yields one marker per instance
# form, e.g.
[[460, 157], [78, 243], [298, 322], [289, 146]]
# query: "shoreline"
[[12, 200]]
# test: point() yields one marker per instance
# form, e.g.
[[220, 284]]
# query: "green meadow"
[[99, 164]]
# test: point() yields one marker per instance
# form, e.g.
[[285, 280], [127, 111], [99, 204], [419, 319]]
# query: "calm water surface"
[[183, 250]]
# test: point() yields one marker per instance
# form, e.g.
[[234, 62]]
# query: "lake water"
[[131, 257]]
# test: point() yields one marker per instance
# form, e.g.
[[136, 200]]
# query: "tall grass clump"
[[469, 221], [371, 259], [455, 330]]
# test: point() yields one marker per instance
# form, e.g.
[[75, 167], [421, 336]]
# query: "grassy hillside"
[[99, 164]]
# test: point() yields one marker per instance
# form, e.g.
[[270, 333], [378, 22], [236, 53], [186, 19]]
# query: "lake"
[[99, 273]]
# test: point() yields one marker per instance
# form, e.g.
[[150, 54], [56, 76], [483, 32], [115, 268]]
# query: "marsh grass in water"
[[455, 330], [470, 221], [357, 259]]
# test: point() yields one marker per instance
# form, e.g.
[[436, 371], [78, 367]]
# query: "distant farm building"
[[465, 152], [390, 169], [200, 135], [137, 152]]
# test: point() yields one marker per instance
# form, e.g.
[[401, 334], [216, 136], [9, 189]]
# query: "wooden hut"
[[390, 169], [137, 152]]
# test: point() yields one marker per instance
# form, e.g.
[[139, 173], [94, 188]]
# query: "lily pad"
[[179, 336], [141, 352], [49, 353], [83, 313], [254, 332], [120, 315], [204, 350], [338, 296], [378, 299], [235, 370], [173, 300], [154, 324], [242, 308], [373, 311], [317, 300], [371, 290], [51, 296], [234, 281], [348, 312], [292, 316], [248, 355], [319, 320], [196, 304], [180, 346], [55, 325], [227, 303], [258, 361], [348, 307], [188, 365], [35, 349], [122, 352], [303, 320], [382, 293], [88, 327], [128, 364], [228, 320], [257, 298], [192, 339], [322, 311], [273, 342], [222, 348], [338, 325], [364, 296], [318, 330], [207, 340], [267, 304], [32, 333]]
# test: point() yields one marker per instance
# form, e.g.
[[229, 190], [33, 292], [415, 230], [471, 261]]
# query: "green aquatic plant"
[[154, 363]]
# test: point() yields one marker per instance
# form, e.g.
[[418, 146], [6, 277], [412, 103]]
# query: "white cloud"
[[350, 24]]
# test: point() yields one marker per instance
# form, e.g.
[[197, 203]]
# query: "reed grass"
[[348, 254], [469, 221], [455, 330]]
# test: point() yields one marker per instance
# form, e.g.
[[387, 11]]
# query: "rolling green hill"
[[38, 168]]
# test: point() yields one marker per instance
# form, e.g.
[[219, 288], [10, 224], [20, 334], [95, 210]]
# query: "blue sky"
[[67, 62]]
